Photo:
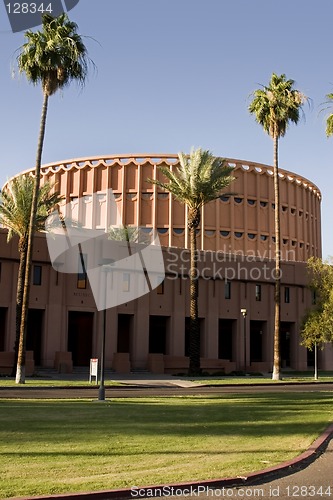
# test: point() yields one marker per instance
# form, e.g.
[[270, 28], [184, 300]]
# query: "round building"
[[236, 243]]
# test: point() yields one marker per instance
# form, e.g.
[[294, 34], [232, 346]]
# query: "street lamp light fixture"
[[244, 313]]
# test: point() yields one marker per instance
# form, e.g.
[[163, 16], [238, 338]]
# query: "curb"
[[195, 487]]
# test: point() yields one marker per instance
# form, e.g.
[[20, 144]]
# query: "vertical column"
[[95, 199], [170, 215], [305, 222], [217, 218], [109, 199], [202, 236], [318, 225], [186, 229], [123, 191], [154, 214], [138, 197], [141, 333], [177, 340], [212, 320], [299, 225], [232, 219], [258, 212], [245, 212]]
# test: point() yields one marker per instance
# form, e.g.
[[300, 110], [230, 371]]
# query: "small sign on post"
[[93, 370]]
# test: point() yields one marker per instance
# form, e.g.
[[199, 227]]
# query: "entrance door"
[[226, 328], [256, 341], [80, 335], [158, 326], [3, 315], [35, 333], [125, 329]]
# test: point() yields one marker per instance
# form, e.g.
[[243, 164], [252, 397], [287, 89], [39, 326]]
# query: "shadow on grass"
[[246, 416]]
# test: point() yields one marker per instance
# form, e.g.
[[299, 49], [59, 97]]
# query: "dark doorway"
[[158, 328], [310, 358], [3, 321], [286, 329], [125, 329], [187, 336], [256, 337], [226, 329], [80, 334], [35, 333]]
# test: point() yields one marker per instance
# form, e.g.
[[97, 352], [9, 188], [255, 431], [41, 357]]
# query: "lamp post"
[[244, 313], [106, 266], [101, 389], [315, 362]]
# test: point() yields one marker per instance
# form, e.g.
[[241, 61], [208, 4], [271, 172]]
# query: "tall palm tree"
[[53, 57], [274, 107], [198, 179], [15, 209], [329, 120]]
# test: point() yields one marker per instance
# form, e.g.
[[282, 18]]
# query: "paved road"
[[312, 482], [139, 391]]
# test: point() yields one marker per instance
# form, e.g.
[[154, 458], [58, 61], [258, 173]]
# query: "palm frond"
[[15, 205], [329, 119], [277, 105], [198, 179], [54, 56]]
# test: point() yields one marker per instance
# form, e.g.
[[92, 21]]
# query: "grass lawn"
[[211, 380], [49, 446], [287, 377], [44, 382]]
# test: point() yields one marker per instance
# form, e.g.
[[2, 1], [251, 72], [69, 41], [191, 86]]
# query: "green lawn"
[[45, 382], [211, 380], [288, 377], [49, 446]]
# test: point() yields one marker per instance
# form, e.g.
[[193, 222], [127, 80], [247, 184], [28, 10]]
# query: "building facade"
[[235, 261]]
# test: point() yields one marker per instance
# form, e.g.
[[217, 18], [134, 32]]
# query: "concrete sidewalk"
[[154, 380], [140, 379]]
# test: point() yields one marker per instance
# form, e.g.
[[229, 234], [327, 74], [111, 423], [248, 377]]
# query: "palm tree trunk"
[[19, 298], [277, 290], [194, 368], [20, 370]]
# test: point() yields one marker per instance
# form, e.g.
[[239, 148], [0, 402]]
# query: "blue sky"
[[172, 74]]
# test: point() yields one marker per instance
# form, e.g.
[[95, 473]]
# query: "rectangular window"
[[227, 290], [287, 294], [82, 272], [160, 288], [126, 282], [258, 293], [37, 275]]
